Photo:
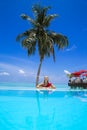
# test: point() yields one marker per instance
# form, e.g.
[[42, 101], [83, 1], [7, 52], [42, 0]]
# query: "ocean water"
[[29, 85], [28, 109]]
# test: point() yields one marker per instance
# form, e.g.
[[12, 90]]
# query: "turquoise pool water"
[[29, 109]]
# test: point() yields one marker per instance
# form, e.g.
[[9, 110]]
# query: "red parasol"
[[75, 75], [78, 73], [83, 71]]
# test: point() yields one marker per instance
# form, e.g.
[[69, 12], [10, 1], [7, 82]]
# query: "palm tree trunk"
[[38, 72]]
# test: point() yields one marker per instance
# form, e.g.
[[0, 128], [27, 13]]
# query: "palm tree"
[[39, 35]]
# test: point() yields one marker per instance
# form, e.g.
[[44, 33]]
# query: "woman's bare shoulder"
[[39, 85]]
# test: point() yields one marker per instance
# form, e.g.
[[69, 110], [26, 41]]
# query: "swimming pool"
[[45, 110]]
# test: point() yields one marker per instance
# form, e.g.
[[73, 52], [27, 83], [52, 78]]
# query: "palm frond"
[[38, 10], [50, 44], [28, 40], [24, 43], [40, 13], [27, 33], [60, 40], [48, 19], [31, 49], [25, 17], [29, 44], [22, 35]]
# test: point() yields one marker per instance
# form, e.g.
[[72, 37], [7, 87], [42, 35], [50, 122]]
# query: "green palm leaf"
[[25, 17], [37, 9], [60, 40], [48, 19], [31, 32]]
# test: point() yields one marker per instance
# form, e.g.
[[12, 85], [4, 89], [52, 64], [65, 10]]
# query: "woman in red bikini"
[[46, 84]]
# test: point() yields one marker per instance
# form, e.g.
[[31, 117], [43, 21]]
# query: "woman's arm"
[[52, 86], [39, 85]]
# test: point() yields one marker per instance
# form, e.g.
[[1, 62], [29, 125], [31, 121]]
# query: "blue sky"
[[16, 66]]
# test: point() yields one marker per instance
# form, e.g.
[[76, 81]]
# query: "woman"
[[46, 84]]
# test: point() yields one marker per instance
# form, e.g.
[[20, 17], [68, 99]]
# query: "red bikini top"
[[48, 85]]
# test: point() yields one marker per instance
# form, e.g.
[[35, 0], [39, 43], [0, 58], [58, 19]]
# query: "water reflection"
[[46, 114]]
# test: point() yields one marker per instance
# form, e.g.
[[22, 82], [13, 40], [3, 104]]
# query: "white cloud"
[[72, 48], [21, 71], [4, 73]]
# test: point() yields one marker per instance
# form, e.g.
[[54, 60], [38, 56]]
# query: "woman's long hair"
[[47, 81]]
